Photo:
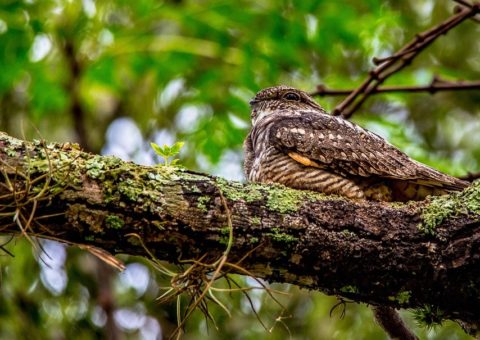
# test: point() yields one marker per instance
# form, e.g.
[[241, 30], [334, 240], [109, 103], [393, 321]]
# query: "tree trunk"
[[415, 255]]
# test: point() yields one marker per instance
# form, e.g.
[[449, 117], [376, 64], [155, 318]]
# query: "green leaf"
[[168, 151], [175, 149], [159, 150]]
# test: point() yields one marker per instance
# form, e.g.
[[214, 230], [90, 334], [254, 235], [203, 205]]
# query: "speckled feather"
[[294, 142]]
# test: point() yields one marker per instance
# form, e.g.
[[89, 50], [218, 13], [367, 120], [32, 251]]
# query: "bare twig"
[[463, 2], [402, 58], [433, 87], [466, 4]]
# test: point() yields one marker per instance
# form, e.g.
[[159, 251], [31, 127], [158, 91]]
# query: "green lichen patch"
[[278, 197], [95, 167], [130, 189], [11, 152], [158, 177], [278, 236], [441, 208], [237, 191], [471, 198], [9, 141], [256, 221], [402, 297], [194, 189], [98, 166], [114, 222], [349, 289], [202, 202], [284, 200]]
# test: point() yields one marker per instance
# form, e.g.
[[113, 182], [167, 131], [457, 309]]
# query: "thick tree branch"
[[400, 255], [399, 60]]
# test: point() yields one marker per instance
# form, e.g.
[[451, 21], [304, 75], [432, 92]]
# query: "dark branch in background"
[[466, 4], [76, 109], [391, 321], [105, 297], [402, 58], [436, 85]]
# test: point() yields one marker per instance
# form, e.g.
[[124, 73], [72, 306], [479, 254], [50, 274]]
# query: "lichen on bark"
[[440, 208]]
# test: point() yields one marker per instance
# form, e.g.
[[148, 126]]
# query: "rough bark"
[[416, 255]]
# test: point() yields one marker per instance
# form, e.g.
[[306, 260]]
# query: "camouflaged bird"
[[293, 141]]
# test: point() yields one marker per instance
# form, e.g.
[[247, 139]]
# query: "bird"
[[295, 142]]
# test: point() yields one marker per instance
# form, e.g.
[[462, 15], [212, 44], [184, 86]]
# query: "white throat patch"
[[260, 115]]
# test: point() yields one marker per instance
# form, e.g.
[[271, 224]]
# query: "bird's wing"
[[320, 140]]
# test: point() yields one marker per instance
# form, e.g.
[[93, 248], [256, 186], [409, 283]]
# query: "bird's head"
[[281, 100]]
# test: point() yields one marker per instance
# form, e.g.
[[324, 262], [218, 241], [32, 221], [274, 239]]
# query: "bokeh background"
[[117, 75]]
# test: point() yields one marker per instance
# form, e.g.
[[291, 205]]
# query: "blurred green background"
[[116, 75]]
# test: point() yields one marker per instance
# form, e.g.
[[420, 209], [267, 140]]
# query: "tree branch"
[[466, 4], [435, 86], [390, 321], [399, 255], [402, 58]]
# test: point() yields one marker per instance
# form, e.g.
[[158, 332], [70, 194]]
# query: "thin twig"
[[402, 58], [432, 88], [466, 4], [463, 2]]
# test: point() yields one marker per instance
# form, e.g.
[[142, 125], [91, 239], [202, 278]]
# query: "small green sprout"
[[167, 152]]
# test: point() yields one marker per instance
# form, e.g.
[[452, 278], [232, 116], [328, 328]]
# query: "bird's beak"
[[253, 102]]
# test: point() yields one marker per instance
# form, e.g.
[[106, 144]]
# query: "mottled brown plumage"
[[293, 141]]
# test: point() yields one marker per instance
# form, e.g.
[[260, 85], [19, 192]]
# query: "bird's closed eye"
[[291, 96]]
